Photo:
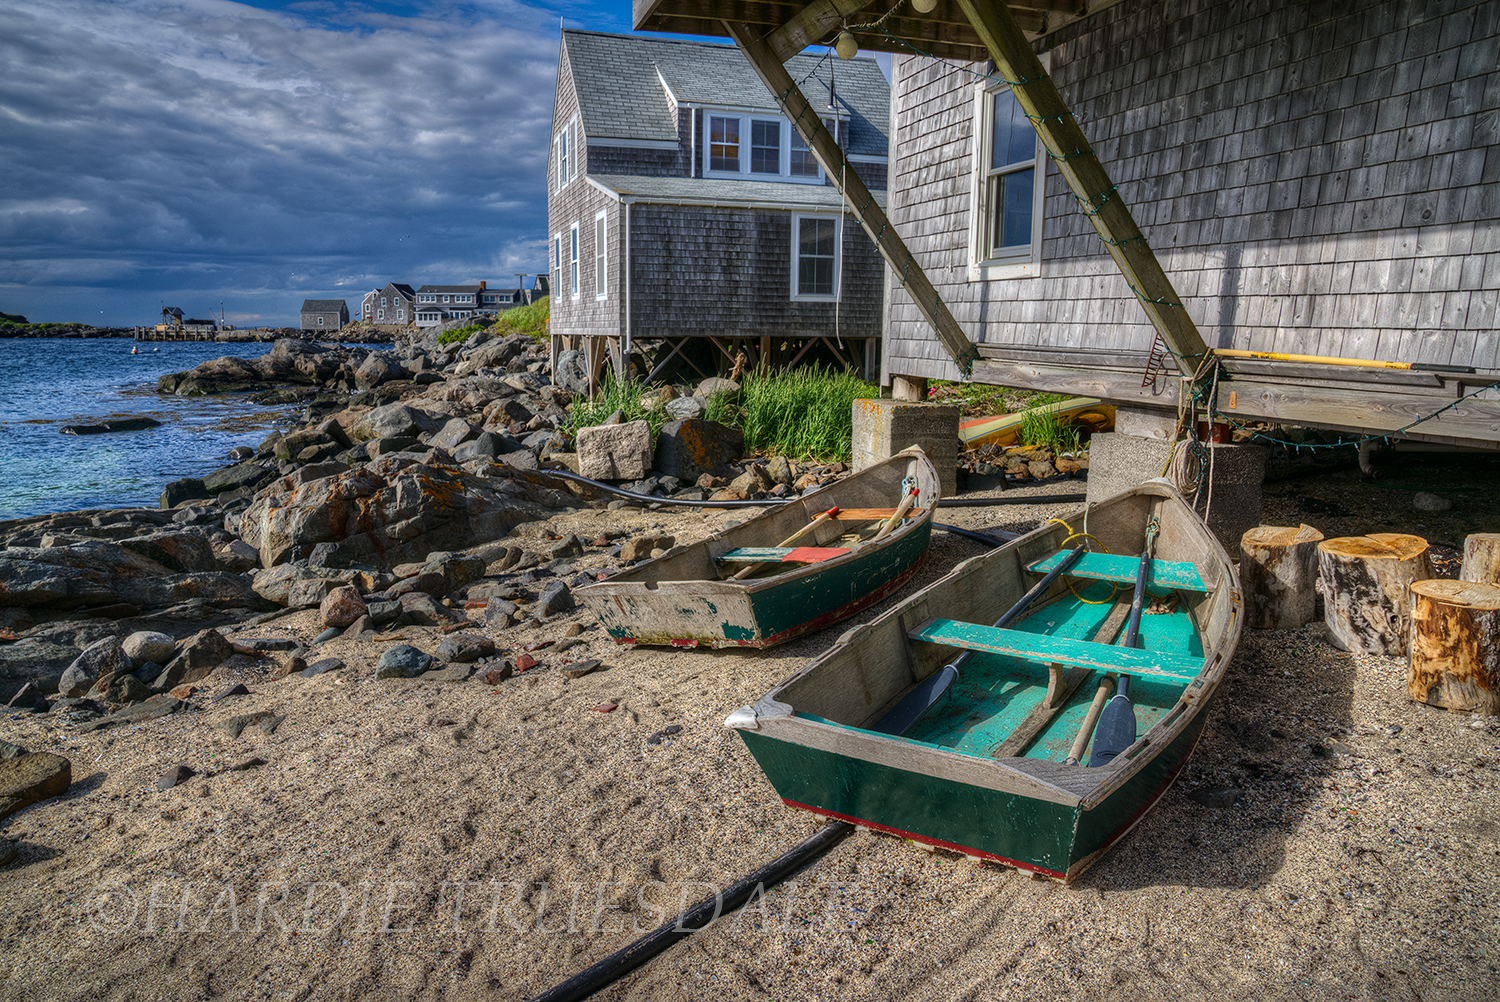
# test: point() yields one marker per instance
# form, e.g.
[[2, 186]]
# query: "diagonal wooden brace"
[[1097, 197], [809, 125]]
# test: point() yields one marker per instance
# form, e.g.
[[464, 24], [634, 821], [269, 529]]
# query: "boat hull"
[[989, 769], [690, 597], [1056, 840]]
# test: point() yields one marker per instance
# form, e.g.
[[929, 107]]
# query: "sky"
[[200, 152]]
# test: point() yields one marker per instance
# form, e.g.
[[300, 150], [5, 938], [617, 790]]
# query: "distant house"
[[500, 300], [394, 304], [171, 316], [367, 306], [540, 289], [437, 304], [684, 208], [200, 326], [324, 314]]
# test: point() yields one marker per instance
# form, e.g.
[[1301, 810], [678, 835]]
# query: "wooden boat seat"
[[1059, 650], [781, 554], [1121, 568]]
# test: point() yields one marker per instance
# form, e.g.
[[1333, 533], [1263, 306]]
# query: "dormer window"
[[774, 149]]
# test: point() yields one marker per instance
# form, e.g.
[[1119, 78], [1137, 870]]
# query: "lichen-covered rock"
[[102, 658], [689, 448], [201, 654]]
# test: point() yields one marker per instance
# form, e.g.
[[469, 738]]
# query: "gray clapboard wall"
[[1318, 178]]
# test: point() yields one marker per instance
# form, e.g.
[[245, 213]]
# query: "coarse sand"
[[407, 839]]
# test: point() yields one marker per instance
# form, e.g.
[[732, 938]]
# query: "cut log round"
[[1279, 575], [1455, 646], [1482, 558], [1365, 582]]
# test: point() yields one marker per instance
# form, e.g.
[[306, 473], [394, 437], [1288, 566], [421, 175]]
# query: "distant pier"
[[174, 334]]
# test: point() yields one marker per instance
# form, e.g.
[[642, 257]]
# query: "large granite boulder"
[[615, 451], [304, 361], [378, 367], [394, 421], [105, 658], [572, 373], [96, 572], [394, 512]]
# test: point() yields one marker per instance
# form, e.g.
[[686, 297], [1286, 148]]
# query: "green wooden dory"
[[985, 770], [688, 596]]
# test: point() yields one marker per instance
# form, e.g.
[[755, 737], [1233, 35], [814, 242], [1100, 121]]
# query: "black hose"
[[942, 503], [997, 537], [699, 917]]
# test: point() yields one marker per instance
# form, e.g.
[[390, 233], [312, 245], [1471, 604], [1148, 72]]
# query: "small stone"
[[322, 665], [175, 776], [641, 547], [264, 720], [238, 689], [663, 734], [29, 697], [581, 669], [606, 708], [526, 661], [250, 763], [555, 597], [8, 852], [574, 630], [1428, 501], [1217, 796], [328, 634], [464, 649], [342, 607], [497, 675], [453, 673], [402, 661], [147, 645], [566, 643], [184, 691], [27, 779]]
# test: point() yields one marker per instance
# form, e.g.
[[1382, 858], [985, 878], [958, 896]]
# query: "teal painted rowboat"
[[992, 765], [690, 595]]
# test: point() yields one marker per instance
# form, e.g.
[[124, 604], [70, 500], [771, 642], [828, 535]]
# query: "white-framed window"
[[320, 321], [573, 261], [557, 258], [567, 154], [601, 264], [401, 314], [1009, 167], [382, 301], [380, 314], [749, 145], [816, 252]]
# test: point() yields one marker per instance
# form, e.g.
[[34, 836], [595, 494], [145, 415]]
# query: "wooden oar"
[[788, 541], [1117, 725], [905, 506]]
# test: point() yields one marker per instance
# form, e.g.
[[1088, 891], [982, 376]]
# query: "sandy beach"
[[408, 839]]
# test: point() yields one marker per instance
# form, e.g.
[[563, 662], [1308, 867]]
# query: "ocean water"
[[46, 383]]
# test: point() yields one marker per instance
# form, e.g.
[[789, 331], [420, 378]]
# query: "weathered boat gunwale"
[[862, 655]]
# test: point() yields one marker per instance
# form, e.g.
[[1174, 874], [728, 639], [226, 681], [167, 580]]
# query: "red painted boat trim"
[[966, 850], [827, 619]]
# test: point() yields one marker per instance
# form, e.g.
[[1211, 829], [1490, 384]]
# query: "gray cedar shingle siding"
[[334, 314], [1315, 178], [697, 269]]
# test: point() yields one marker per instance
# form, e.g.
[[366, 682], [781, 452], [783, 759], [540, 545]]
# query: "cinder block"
[[883, 428]]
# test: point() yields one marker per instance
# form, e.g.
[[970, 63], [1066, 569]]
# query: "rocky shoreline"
[[329, 721]]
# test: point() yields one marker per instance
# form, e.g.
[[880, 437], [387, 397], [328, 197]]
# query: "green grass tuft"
[[530, 320]]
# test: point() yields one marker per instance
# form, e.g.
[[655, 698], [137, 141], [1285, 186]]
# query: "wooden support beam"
[[812, 25], [809, 125], [1075, 160]]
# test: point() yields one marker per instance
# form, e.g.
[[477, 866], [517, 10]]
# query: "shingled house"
[[324, 314], [1205, 179], [685, 210], [437, 304]]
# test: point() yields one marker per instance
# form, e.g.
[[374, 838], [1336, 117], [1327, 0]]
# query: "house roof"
[[621, 95], [716, 191], [323, 305], [402, 288], [449, 288]]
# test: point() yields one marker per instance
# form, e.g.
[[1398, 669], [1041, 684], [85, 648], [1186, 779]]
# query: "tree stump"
[[1455, 646], [1279, 576], [1481, 558], [1365, 580]]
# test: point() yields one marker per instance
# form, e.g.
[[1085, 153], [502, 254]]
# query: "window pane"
[[765, 147], [815, 256], [724, 144], [804, 164], [1011, 201], [1013, 140], [599, 287]]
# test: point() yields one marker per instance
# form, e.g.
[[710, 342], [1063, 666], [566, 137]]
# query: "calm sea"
[[46, 383]]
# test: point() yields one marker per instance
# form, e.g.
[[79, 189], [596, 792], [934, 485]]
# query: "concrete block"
[[1119, 462], [883, 428]]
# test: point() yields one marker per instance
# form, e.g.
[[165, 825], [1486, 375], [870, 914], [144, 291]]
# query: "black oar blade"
[[1116, 731]]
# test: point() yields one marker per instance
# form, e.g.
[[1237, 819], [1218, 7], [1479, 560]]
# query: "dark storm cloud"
[[214, 149]]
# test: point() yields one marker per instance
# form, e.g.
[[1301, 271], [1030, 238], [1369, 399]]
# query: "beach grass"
[[803, 414]]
